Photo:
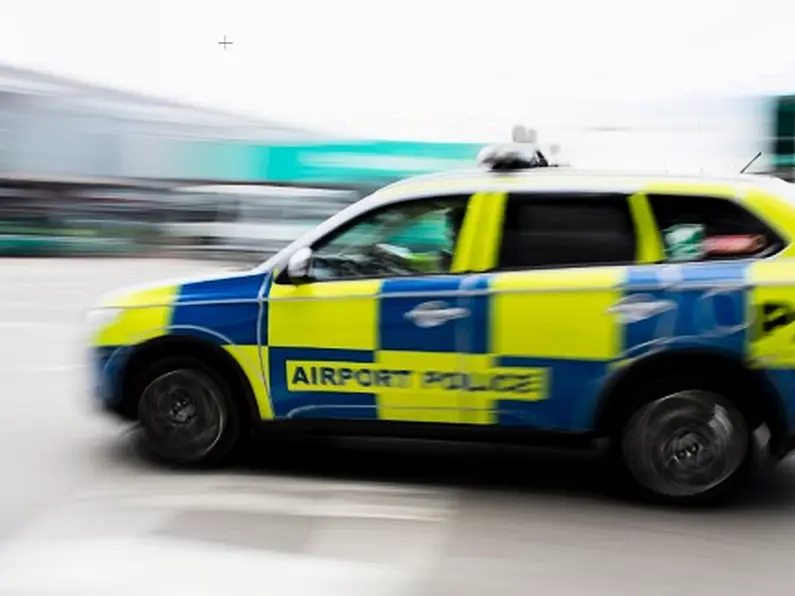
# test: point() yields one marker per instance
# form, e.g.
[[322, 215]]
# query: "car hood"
[[161, 291]]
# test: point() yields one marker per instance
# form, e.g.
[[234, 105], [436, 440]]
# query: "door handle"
[[435, 313], [640, 307]]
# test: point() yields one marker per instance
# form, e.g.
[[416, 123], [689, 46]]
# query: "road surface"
[[82, 514]]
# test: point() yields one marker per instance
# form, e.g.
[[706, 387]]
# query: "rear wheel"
[[687, 444], [187, 413]]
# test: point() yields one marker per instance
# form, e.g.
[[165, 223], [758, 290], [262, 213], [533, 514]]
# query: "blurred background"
[[306, 118], [93, 170]]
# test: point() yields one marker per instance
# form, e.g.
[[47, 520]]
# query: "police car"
[[516, 300]]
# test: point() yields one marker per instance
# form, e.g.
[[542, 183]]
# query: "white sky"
[[433, 69]]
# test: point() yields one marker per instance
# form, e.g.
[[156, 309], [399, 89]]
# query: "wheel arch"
[[206, 352], [761, 402]]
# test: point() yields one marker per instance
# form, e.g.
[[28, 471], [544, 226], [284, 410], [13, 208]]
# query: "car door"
[[550, 335], [374, 333]]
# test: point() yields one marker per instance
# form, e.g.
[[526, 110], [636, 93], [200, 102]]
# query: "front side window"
[[410, 238], [564, 230], [698, 228]]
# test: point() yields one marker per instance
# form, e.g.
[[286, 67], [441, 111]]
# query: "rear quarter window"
[[698, 228]]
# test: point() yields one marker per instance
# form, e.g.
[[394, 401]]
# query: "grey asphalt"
[[82, 513]]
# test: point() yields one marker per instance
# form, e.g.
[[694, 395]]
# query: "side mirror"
[[300, 264]]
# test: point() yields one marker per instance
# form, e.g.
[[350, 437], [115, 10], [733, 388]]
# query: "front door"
[[375, 333]]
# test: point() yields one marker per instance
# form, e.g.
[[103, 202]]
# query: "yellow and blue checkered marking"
[[552, 327], [535, 349], [333, 402], [399, 296], [709, 309], [223, 311], [482, 369], [225, 308], [340, 326]]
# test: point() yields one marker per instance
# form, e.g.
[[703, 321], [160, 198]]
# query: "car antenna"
[[750, 163]]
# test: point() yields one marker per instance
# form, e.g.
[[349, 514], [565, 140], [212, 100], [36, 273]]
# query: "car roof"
[[575, 180], [535, 179]]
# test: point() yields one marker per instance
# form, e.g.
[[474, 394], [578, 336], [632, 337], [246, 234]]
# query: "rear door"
[[549, 330]]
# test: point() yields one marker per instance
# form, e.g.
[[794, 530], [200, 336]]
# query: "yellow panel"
[[771, 271], [491, 231], [650, 246], [430, 392], [778, 213], [575, 278], [691, 188], [141, 295], [493, 383], [146, 315], [339, 314], [467, 239], [248, 359], [557, 313], [777, 348], [480, 234]]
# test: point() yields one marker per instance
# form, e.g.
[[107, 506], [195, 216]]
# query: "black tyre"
[[686, 442], [187, 413]]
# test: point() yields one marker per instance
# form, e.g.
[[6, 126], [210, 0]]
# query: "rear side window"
[[711, 228], [563, 230]]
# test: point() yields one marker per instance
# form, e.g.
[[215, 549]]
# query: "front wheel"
[[687, 446], [187, 413]]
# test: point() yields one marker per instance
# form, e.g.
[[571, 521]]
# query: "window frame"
[[464, 197], [566, 195], [780, 243]]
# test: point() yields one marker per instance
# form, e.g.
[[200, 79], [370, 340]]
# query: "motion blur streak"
[[93, 170]]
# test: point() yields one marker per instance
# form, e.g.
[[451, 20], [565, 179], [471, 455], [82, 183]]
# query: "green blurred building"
[[783, 139]]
